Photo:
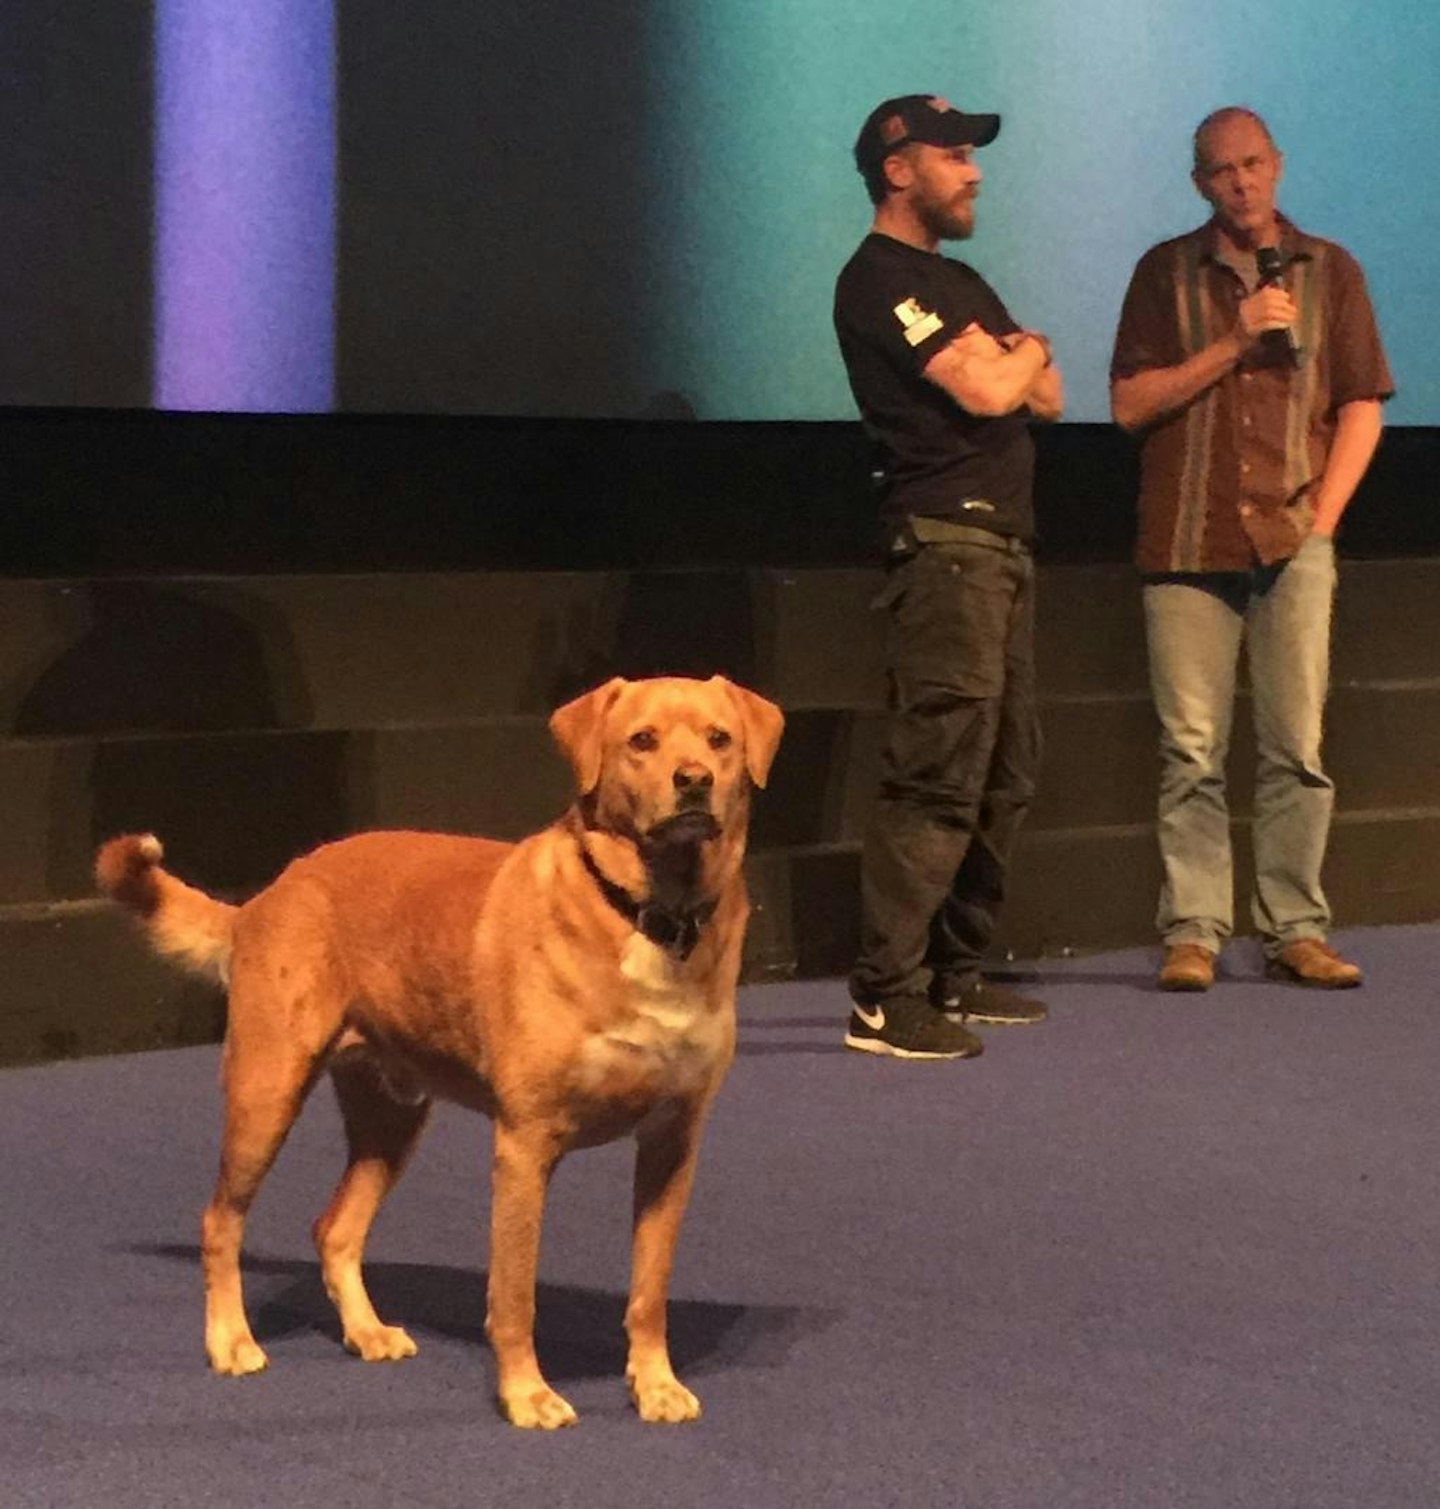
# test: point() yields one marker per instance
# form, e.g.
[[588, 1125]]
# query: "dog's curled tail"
[[183, 924]]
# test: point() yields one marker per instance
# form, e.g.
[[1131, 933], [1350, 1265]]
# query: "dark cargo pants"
[[958, 767]]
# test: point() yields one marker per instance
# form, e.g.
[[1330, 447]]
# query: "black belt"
[[968, 534], [928, 531]]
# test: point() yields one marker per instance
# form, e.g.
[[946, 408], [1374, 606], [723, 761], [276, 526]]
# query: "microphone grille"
[[1267, 261]]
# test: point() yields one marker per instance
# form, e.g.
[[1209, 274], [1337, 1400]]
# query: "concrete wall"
[[246, 718]]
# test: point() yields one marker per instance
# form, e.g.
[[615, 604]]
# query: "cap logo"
[[942, 107], [892, 129]]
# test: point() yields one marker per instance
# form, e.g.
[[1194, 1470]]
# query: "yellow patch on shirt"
[[920, 324]]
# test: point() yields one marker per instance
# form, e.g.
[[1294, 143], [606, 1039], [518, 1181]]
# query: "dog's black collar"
[[674, 931]]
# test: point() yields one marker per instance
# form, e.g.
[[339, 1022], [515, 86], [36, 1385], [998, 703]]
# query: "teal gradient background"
[[637, 208], [755, 105]]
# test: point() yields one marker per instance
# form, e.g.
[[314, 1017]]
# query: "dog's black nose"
[[693, 777]]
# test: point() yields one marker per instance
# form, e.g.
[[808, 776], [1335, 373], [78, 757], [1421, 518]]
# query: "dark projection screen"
[[622, 209]]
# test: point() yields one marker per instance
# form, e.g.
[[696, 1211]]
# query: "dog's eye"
[[720, 739], [644, 741]]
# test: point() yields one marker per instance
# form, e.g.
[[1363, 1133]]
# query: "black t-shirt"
[[895, 307]]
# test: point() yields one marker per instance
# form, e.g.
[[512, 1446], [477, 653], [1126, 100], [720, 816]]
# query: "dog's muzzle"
[[691, 825]]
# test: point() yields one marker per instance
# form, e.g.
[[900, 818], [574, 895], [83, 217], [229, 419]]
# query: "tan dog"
[[576, 987]]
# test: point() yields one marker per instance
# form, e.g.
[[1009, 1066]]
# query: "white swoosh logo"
[[873, 1019]]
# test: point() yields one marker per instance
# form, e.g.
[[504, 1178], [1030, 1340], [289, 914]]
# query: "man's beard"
[[949, 221]]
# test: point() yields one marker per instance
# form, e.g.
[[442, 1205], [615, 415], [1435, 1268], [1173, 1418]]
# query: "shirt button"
[[1246, 509], [1245, 467]]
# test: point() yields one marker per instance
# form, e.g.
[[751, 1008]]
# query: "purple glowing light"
[[245, 205]]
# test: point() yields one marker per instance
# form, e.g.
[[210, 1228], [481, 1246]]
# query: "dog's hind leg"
[[267, 1076], [381, 1132]]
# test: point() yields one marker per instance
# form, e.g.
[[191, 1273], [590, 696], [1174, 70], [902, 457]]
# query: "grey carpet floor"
[[1175, 1252]]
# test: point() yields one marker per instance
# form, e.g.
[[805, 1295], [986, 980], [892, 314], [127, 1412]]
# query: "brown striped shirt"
[[1226, 479]]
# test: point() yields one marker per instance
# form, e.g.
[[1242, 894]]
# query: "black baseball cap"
[[919, 117]]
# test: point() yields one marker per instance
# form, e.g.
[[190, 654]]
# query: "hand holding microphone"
[[1269, 314]]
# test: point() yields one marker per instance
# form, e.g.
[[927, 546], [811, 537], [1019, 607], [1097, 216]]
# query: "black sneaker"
[[909, 1027], [994, 1005]]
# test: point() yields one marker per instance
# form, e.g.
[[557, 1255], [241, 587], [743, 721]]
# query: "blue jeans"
[[1194, 627]]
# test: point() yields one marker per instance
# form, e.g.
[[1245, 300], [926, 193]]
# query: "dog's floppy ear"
[[577, 728], [763, 724]]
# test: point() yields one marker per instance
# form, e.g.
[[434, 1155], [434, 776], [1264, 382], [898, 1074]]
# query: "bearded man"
[[946, 382]]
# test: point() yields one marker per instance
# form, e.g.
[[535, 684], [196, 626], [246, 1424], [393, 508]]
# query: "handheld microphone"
[[1270, 267]]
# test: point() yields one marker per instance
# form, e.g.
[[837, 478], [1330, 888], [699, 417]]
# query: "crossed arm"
[[990, 377]]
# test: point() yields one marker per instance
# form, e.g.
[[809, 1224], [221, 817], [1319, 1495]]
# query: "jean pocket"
[[1298, 515]]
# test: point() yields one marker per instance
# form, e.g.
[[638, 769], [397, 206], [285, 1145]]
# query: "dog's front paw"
[[381, 1344], [537, 1407], [664, 1400], [237, 1357]]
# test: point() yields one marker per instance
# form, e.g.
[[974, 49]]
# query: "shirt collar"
[[1295, 245]]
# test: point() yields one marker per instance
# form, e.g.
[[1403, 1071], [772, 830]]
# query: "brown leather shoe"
[[1311, 961], [1187, 966]]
